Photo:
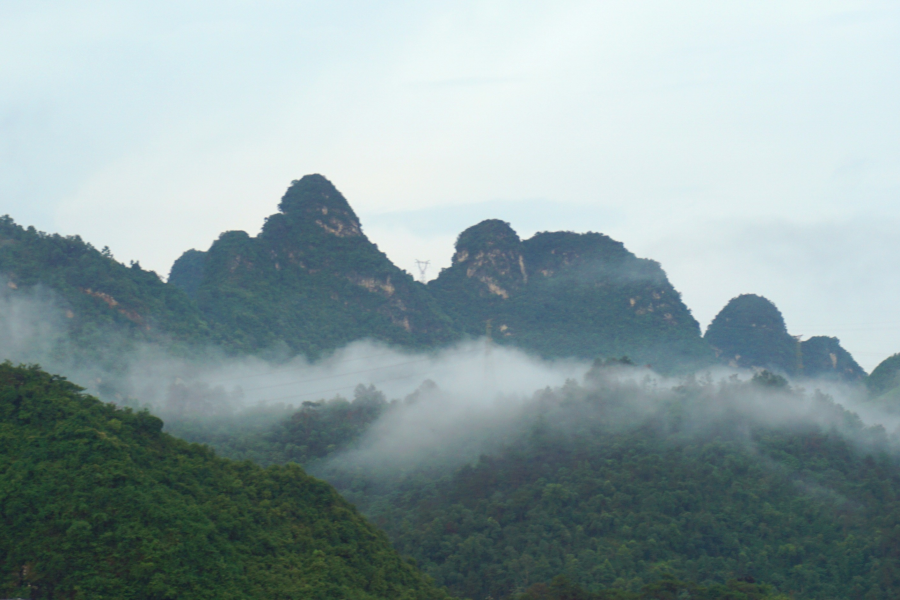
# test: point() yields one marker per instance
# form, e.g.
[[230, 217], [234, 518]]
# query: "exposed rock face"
[[310, 281], [824, 357], [491, 254], [567, 294], [105, 303]]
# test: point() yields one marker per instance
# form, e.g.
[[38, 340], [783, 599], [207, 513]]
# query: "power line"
[[422, 265]]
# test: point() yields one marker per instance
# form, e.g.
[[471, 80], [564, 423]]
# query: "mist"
[[443, 408]]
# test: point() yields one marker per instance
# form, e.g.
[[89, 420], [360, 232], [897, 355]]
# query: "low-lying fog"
[[473, 394]]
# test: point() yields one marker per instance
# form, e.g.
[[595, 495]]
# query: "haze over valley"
[[449, 301]]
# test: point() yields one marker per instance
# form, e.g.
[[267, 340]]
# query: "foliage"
[[310, 282], [885, 377], [277, 435], [750, 332], [100, 300], [823, 356], [614, 484], [668, 588], [96, 502], [566, 294]]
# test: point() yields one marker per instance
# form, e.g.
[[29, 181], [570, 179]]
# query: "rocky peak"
[[491, 252], [315, 199]]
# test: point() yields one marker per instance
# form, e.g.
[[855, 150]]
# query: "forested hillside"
[[616, 482], [98, 299], [567, 294], [96, 502], [750, 332], [310, 282]]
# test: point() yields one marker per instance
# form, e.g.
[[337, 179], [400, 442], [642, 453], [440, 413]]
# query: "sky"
[[749, 147]]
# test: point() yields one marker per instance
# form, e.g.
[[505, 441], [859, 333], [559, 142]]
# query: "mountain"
[[100, 301], [567, 294], [824, 356], [750, 332], [96, 502], [310, 282], [883, 384], [613, 483]]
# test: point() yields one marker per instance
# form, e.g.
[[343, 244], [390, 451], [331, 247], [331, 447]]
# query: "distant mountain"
[[824, 356], [567, 294], [97, 295], [750, 332], [310, 282], [884, 381], [96, 502]]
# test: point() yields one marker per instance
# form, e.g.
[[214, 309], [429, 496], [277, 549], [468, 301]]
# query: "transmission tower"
[[423, 268]]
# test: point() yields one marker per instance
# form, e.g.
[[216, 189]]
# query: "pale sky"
[[746, 146]]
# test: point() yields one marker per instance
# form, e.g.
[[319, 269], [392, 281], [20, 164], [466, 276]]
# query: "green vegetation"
[[270, 435], [750, 332], [823, 356], [885, 377], [97, 296], [309, 283], [567, 294], [668, 588], [616, 485], [610, 498], [96, 502]]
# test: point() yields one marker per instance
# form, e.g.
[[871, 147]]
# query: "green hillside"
[[613, 484], [567, 294], [823, 356], [885, 377], [617, 483], [750, 332], [310, 282], [96, 502], [100, 300]]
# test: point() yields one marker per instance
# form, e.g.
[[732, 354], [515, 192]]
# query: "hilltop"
[[750, 332], [310, 282], [568, 294]]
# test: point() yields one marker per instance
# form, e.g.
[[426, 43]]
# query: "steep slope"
[[567, 294], [823, 356], [885, 377], [97, 294], [309, 282], [96, 502], [750, 332]]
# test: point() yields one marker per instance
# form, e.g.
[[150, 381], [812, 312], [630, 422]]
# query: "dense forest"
[[96, 301], [613, 483], [566, 294], [97, 502], [311, 282], [622, 485]]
